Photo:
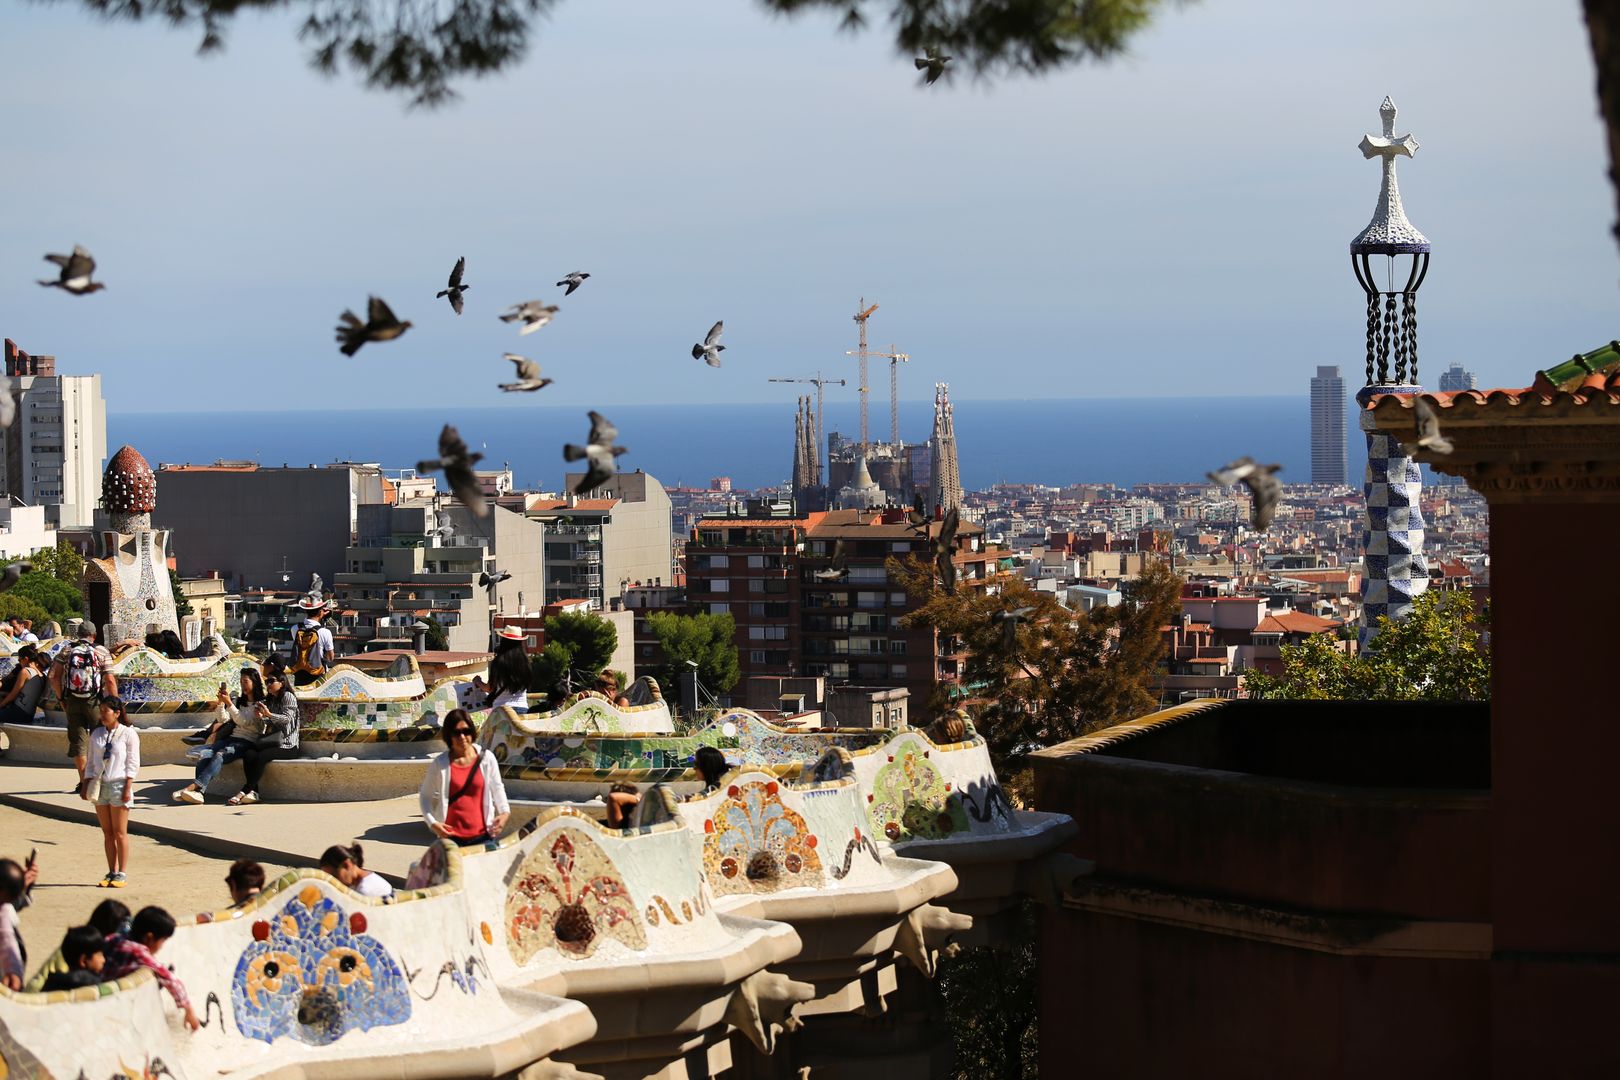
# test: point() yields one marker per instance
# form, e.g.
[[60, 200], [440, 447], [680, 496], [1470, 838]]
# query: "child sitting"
[[109, 917], [84, 952], [127, 954]]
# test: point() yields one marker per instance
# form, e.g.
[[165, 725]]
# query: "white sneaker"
[[189, 795]]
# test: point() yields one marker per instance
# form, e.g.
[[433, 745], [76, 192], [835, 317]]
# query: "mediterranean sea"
[[1047, 441]]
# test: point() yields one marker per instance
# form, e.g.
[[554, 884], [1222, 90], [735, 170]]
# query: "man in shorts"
[[80, 676]]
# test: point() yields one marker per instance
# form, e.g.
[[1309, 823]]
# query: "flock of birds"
[[600, 451]]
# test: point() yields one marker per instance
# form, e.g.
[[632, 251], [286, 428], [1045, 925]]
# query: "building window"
[[897, 647], [756, 656], [897, 671], [897, 599], [719, 562], [719, 584], [719, 609], [756, 585]]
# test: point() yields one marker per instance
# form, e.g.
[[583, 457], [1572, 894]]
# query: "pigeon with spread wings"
[[710, 349], [944, 550], [455, 288], [837, 570], [380, 325], [1428, 428], [528, 376], [76, 271], [458, 464], [932, 65], [573, 280], [1262, 482], [533, 314], [599, 452]]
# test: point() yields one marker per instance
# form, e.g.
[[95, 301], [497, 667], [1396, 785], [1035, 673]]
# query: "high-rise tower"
[[1396, 573], [1454, 378], [1329, 464], [945, 478]]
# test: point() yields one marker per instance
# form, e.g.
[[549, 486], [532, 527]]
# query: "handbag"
[[92, 788]]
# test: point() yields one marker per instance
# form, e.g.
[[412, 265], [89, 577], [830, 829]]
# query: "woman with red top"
[[462, 797]]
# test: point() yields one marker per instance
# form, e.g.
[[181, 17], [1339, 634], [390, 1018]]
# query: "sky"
[[1175, 220]]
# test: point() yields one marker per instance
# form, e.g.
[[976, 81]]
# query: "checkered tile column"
[[1396, 571]]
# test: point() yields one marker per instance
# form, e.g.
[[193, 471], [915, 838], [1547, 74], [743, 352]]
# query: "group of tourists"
[[258, 726]]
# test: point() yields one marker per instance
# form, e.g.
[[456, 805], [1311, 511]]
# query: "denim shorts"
[[112, 793]]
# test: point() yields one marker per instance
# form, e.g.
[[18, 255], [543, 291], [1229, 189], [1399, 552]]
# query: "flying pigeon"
[[932, 64], [1261, 482], [316, 586], [599, 451], [488, 581], [573, 280], [76, 271], [944, 550], [381, 325], [9, 576], [8, 408], [532, 313], [709, 352], [837, 571], [917, 517], [1009, 621], [528, 375], [1428, 428], [458, 464], [456, 288]]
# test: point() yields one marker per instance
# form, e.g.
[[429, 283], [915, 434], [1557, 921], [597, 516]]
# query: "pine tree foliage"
[[706, 640], [1063, 673]]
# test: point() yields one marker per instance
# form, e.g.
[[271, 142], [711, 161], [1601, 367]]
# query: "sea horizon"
[[1053, 441]]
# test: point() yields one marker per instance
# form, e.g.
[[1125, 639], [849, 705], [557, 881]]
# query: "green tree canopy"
[[12, 604], [61, 600], [436, 637], [704, 639], [61, 562], [1436, 653], [421, 48], [589, 639], [1055, 673], [548, 666], [182, 602]]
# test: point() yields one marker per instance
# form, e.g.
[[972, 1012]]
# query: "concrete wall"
[[245, 523]]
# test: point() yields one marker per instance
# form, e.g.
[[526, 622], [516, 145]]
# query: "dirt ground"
[[71, 862]]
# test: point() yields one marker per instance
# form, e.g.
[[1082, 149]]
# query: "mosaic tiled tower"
[[1396, 573], [127, 588]]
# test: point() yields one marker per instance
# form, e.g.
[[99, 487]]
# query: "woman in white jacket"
[[114, 762], [463, 798]]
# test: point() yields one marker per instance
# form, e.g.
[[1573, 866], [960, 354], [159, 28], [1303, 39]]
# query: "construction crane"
[[820, 385], [865, 355], [895, 360]]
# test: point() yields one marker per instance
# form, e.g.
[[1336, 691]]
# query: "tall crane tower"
[[895, 360], [821, 386], [865, 355]]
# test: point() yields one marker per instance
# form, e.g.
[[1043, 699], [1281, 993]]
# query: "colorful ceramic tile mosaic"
[[567, 895], [741, 735], [909, 799], [312, 973], [753, 843]]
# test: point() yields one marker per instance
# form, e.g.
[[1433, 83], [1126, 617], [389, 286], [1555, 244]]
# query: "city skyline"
[[528, 192]]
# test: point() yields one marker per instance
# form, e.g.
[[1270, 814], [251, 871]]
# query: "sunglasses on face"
[[466, 731]]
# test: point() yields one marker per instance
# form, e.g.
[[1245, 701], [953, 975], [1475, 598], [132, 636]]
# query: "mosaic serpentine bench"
[[308, 979], [539, 764], [622, 920]]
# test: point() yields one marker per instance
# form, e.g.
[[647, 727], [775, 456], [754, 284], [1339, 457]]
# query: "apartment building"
[[52, 454], [598, 547]]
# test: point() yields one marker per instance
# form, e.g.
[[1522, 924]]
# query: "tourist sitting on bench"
[[238, 726]]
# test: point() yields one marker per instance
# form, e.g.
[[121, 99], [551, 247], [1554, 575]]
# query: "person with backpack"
[[313, 648], [81, 676]]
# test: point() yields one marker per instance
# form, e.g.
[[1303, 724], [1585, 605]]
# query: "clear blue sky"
[[1179, 218]]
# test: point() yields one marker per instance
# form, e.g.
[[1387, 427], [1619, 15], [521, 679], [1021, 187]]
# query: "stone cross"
[[1387, 145]]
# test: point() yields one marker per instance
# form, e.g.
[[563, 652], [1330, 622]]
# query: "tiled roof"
[[1591, 379], [1295, 622]]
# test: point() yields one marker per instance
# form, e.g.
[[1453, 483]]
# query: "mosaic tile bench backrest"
[[916, 790], [757, 834], [576, 892], [309, 964], [743, 736], [140, 660]]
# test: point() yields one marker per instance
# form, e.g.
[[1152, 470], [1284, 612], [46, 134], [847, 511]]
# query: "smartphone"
[[33, 853], [222, 688]]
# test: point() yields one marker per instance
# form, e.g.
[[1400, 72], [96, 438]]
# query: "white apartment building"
[[23, 531], [53, 452]]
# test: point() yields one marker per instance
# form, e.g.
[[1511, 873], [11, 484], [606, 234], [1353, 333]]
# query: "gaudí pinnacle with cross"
[[1391, 311]]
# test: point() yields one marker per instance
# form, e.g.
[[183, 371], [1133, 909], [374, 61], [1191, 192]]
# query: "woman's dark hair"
[[245, 874], [80, 943], [25, 655], [509, 670], [152, 921], [452, 719], [12, 882], [274, 668], [170, 645], [109, 701], [338, 854], [710, 764], [257, 693], [110, 917]]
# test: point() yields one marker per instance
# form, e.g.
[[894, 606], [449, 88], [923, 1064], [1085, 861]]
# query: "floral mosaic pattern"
[[753, 843], [910, 800], [312, 973], [568, 896]]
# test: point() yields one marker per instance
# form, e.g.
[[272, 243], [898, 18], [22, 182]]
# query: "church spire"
[[945, 478]]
